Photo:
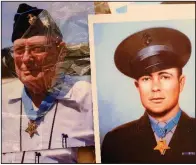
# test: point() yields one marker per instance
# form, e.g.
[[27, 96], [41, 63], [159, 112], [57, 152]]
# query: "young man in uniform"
[[154, 57]]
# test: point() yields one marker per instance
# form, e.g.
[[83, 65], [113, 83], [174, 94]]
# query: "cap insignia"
[[32, 18], [147, 39]]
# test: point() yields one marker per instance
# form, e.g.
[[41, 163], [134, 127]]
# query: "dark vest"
[[134, 142]]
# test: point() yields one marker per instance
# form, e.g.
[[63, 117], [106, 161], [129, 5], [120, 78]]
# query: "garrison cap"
[[152, 50], [30, 21]]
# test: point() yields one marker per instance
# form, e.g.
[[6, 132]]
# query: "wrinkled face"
[[34, 61], [159, 91]]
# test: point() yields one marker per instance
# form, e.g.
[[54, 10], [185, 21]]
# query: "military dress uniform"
[[146, 140], [134, 142]]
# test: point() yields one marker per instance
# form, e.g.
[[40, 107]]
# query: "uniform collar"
[[144, 121], [161, 123], [16, 93]]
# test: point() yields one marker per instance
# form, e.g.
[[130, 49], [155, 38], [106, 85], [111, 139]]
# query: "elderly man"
[[47, 110], [164, 134]]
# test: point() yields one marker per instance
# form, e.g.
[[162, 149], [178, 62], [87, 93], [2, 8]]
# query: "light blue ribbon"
[[162, 132], [45, 106]]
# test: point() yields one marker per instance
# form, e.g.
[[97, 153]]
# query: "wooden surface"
[[86, 155]]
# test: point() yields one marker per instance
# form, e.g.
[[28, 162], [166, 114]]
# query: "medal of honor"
[[162, 146], [33, 115], [32, 128], [161, 132]]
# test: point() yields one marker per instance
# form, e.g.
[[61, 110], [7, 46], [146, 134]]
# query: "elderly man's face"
[[34, 60], [159, 91]]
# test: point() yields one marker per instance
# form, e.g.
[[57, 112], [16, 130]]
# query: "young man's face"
[[34, 58], [159, 91]]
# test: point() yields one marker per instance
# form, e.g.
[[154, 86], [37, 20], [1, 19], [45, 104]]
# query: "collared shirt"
[[73, 118], [169, 135]]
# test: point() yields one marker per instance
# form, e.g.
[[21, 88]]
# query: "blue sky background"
[[118, 99], [71, 17], [123, 9]]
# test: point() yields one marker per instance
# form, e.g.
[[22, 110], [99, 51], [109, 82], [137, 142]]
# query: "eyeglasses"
[[19, 50]]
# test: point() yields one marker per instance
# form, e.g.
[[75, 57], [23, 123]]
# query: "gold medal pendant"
[[32, 128], [162, 146]]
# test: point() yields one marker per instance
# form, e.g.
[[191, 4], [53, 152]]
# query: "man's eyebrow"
[[37, 43], [160, 73], [19, 45]]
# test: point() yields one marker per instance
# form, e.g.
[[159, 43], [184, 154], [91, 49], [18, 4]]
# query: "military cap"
[[30, 21], [152, 50]]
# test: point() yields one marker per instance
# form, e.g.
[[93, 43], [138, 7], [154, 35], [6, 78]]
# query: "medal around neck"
[[45, 106], [162, 132], [162, 146], [32, 128]]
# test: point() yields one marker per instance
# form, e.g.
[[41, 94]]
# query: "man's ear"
[[182, 82], [136, 83], [61, 45]]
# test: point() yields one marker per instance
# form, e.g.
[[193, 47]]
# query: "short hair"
[[179, 71]]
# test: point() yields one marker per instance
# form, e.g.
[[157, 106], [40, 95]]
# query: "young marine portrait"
[[155, 58], [144, 85]]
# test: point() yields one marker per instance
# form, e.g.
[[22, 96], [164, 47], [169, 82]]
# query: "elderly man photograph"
[[44, 113], [154, 58]]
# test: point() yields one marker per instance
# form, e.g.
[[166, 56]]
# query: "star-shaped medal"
[[162, 146], [32, 128]]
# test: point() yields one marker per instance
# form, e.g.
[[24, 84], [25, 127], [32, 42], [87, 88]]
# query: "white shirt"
[[46, 156], [73, 117]]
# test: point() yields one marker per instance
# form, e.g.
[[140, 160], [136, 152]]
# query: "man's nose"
[[26, 56], [156, 86]]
